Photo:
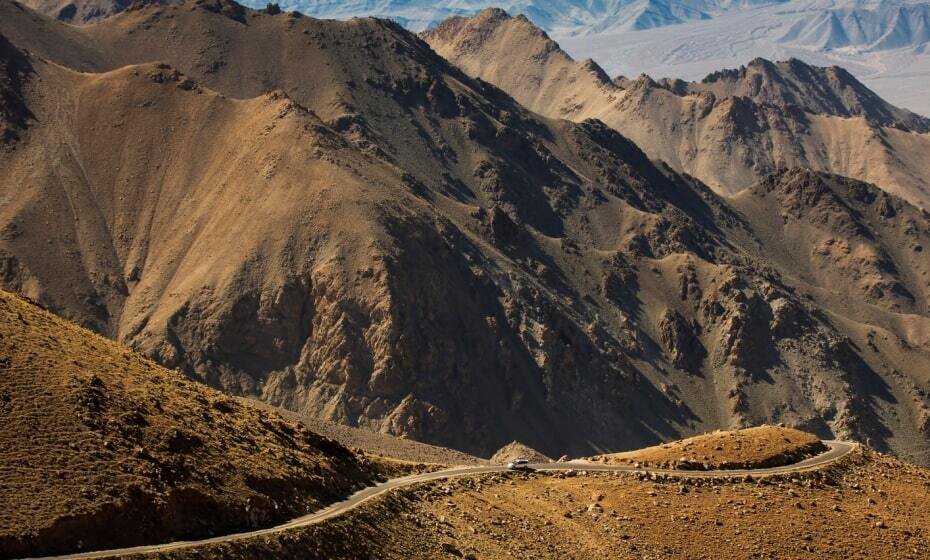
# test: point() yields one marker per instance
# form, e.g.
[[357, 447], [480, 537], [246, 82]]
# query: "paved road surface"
[[836, 450]]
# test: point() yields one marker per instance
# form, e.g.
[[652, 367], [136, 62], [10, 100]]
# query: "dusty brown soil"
[[870, 506], [762, 446], [875, 510], [100, 448]]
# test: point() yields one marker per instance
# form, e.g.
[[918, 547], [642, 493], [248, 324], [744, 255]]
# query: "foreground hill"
[[728, 130], [863, 505], [873, 507], [100, 447], [330, 217]]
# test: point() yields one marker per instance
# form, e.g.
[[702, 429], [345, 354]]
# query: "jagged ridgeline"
[[729, 130], [331, 217]]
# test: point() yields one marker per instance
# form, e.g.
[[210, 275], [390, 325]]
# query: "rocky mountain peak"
[[830, 91], [470, 34], [728, 130]]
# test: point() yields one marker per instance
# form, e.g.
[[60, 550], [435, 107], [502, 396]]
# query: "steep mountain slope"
[[824, 91], [14, 69], [390, 243], [884, 42], [100, 447], [84, 11], [728, 130], [371, 305]]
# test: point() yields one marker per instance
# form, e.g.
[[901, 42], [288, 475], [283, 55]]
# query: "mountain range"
[[830, 24], [331, 217], [882, 42], [728, 130]]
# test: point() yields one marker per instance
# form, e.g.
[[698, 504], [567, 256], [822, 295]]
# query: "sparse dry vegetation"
[[867, 506], [100, 447], [870, 508]]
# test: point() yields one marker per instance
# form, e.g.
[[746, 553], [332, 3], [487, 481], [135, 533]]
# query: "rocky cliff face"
[[14, 69], [729, 130], [329, 216]]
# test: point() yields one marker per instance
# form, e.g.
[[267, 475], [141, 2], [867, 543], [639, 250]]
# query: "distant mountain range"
[[828, 24], [882, 42], [730, 129], [572, 17]]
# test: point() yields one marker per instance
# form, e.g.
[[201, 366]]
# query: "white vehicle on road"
[[519, 464]]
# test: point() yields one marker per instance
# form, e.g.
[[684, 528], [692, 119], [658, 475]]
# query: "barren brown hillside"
[[728, 130], [868, 506], [100, 447], [330, 217], [873, 509]]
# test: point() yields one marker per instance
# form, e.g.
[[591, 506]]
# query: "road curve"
[[837, 449]]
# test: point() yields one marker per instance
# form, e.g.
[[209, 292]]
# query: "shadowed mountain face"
[[729, 130], [85, 11], [14, 69], [329, 216]]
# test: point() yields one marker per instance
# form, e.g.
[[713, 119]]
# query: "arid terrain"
[[866, 505], [282, 287], [516, 450], [377, 444], [103, 448], [873, 509], [100, 447], [728, 130], [330, 217], [84, 11]]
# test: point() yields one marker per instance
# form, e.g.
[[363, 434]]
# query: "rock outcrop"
[[517, 450]]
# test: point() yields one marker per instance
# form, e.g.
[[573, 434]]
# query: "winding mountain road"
[[837, 450]]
